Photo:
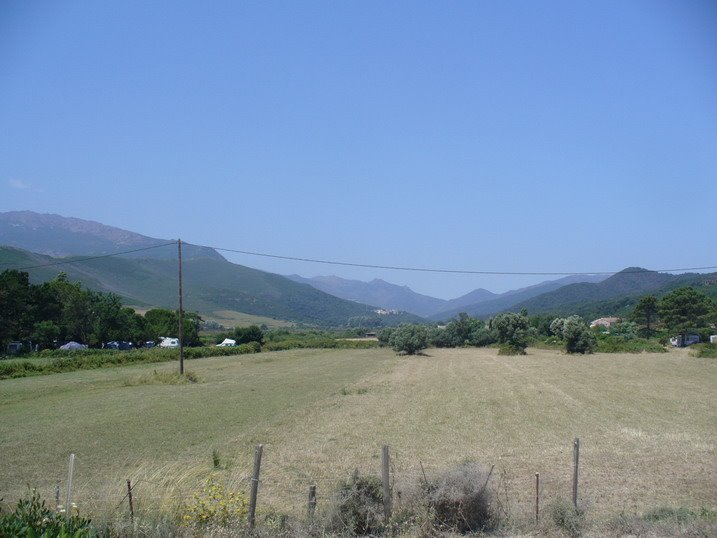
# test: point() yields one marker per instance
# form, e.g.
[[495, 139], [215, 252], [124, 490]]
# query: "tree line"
[[58, 311], [679, 312]]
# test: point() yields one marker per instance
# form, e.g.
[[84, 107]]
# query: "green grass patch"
[[164, 378], [708, 351], [615, 344], [318, 343]]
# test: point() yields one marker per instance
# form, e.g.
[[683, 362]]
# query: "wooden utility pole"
[[181, 312]]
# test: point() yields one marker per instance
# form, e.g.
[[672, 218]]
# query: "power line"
[[75, 260], [377, 266], [455, 271]]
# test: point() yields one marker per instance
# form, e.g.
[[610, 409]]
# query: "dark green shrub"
[[409, 339], [32, 518], [575, 333], [512, 331]]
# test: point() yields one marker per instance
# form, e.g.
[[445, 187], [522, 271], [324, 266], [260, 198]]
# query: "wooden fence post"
[[57, 496], [385, 462], [70, 473], [576, 463], [312, 503], [537, 497], [131, 506], [254, 485]]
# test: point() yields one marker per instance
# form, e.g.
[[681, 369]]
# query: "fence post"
[[385, 462], [312, 502], [57, 496], [131, 506], [576, 463], [70, 472], [537, 497], [254, 485]]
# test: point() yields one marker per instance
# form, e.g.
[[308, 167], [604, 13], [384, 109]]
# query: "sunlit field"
[[647, 424]]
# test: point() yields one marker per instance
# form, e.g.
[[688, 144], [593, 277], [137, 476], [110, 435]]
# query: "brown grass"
[[647, 424]]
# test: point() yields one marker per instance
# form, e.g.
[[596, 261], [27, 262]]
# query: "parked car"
[[149, 344], [14, 348], [169, 342], [119, 344], [683, 340]]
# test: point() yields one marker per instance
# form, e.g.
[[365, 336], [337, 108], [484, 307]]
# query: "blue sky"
[[507, 136]]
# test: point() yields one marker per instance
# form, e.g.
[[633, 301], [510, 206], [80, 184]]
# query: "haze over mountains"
[[149, 278], [477, 302]]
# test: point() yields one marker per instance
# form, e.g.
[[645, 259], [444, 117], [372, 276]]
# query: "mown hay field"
[[647, 425]]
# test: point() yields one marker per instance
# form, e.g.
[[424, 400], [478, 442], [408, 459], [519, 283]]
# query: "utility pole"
[[181, 312]]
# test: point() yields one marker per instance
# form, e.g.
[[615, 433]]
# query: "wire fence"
[[281, 490]]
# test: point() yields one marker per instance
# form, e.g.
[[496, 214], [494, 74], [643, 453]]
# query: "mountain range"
[[479, 302], [43, 244]]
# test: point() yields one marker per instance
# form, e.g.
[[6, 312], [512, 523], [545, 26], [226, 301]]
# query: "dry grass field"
[[647, 425]]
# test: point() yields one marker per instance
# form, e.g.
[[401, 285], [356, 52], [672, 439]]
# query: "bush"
[[574, 331], [566, 517], [608, 343], [356, 507], [69, 361], [215, 505], [513, 332], [32, 518], [409, 339], [705, 350], [461, 501]]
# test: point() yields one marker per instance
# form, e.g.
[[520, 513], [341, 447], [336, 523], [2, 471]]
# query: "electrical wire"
[[457, 271], [75, 260], [376, 266]]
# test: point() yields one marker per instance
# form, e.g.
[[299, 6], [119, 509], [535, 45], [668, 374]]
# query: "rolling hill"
[[615, 294], [508, 300]]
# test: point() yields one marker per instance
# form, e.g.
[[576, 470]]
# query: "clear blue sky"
[[506, 135]]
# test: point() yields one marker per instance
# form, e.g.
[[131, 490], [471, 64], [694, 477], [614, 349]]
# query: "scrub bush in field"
[[566, 517], [409, 339], [574, 331], [356, 507], [460, 500], [513, 332], [215, 506]]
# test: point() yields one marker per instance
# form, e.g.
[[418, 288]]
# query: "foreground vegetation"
[[321, 414]]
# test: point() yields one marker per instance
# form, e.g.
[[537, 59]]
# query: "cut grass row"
[[323, 413]]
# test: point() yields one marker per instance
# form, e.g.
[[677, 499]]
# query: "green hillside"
[[615, 295], [210, 285]]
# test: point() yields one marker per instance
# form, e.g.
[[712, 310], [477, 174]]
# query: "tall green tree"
[[645, 311], [685, 309], [14, 305]]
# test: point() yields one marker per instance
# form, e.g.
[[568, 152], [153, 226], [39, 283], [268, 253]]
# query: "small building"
[[603, 322]]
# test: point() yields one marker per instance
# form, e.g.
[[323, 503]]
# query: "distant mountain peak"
[[58, 236]]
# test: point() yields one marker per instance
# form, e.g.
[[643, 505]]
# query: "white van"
[[169, 342]]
